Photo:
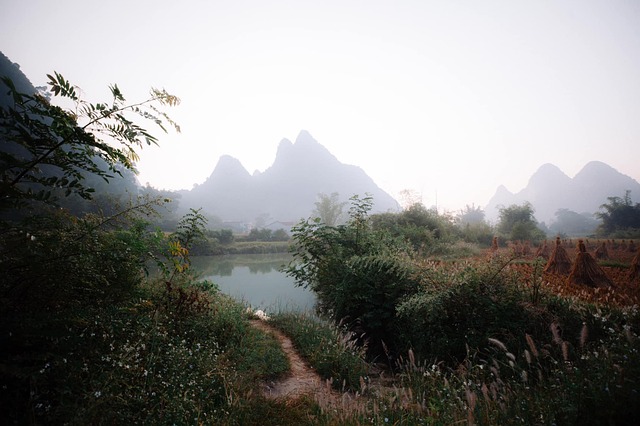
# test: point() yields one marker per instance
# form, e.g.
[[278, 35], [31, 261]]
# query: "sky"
[[448, 99]]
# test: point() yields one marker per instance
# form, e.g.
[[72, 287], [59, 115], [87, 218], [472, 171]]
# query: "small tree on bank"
[[518, 223]]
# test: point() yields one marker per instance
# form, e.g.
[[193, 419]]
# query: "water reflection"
[[256, 280]]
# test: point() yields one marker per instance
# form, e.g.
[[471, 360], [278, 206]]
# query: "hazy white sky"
[[447, 97]]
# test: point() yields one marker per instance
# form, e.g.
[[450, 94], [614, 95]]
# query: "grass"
[[141, 361], [329, 350], [162, 356]]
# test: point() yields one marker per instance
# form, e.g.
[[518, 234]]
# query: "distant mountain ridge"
[[288, 189], [550, 189]]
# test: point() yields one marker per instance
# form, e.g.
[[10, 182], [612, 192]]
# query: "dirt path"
[[302, 379]]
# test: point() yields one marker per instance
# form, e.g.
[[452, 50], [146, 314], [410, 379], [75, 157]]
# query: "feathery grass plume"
[[527, 356], [485, 392], [565, 350], [586, 270], [498, 343], [471, 405], [559, 261], [584, 334], [532, 345], [412, 359]]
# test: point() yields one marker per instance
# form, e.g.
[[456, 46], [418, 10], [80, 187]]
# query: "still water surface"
[[256, 280]]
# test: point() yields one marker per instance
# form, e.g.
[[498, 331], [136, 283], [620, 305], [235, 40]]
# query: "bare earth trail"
[[302, 380]]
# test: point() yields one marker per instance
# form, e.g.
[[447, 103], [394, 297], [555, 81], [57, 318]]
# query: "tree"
[[518, 223], [358, 274], [409, 197], [573, 224], [424, 228], [48, 151], [329, 209], [620, 217], [470, 215]]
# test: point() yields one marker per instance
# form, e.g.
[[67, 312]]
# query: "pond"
[[256, 280]]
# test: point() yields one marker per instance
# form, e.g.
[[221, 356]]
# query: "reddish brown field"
[[624, 292]]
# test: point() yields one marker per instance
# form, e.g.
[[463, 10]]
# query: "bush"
[[358, 274]]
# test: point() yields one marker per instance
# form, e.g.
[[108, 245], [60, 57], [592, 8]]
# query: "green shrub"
[[358, 274], [460, 306]]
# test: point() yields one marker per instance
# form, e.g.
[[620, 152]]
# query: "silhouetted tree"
[[329, 209], [471, 214], [619, 215], [573, 224]]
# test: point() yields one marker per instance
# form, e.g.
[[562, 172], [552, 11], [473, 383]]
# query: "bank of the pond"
[[240, 247]]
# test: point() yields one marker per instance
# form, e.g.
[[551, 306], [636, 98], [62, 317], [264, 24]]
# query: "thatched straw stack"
[[632, 246], [634, 273], [543, 250], [494, 244], [559, 261], [602, 252], [586, 270]]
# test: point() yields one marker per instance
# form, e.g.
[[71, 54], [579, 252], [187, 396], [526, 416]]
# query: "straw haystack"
[[623, 245], [559, 261], [602, 252], [632, 246], [494, 244], [543, 251], [586, 270]]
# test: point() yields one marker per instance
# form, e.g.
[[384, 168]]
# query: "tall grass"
[[332, 352]]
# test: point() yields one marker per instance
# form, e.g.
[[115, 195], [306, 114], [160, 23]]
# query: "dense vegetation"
[[419, 322], [493, 338]]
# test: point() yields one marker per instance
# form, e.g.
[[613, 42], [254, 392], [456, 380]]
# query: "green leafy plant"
[[358, 274], [48, 151]]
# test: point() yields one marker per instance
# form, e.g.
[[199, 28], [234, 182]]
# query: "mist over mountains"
[[288, 189], [549, 189]]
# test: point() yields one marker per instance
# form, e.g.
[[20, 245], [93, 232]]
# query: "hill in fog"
[[550, 189], [287, 190]]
